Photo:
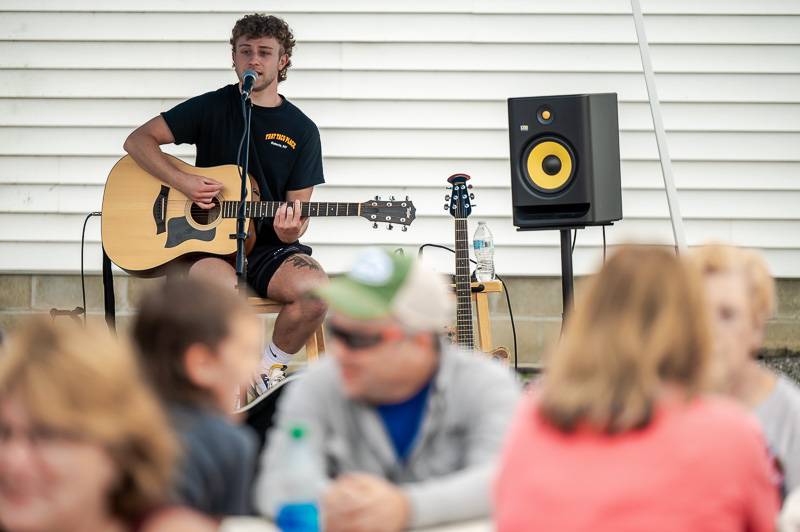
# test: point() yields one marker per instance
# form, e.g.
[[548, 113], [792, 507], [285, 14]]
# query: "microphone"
[[248, 79]]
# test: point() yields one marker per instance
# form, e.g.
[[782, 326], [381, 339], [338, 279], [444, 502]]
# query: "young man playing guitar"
[[286, 162]]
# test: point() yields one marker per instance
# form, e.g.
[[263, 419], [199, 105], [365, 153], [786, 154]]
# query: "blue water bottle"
[[298, 509]]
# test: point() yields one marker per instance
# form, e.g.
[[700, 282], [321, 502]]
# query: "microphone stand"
[[241, 219]]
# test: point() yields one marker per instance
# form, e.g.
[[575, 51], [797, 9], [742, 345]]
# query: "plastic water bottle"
[[483, 243], [298, 510]]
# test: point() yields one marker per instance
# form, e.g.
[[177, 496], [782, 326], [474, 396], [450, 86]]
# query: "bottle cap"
[[298, 432]]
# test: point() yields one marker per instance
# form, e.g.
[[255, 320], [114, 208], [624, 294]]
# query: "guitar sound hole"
[[203, 216]]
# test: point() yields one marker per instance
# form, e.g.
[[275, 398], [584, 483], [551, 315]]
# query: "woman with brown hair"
[[619, 436], [198, 341], [83, 442]]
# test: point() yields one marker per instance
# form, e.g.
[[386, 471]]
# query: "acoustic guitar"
[[460, 208], [146, 224]]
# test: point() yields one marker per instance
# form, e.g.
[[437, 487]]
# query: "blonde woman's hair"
[[86, 384], [640, 323], [721, 258]]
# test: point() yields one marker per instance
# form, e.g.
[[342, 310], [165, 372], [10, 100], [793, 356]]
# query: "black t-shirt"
[[285, 151]]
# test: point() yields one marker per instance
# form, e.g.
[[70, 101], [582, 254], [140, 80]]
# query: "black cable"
[[451, 250], [239, 157], [513, 327], [574, 239], [505, 290], [83, 277], [604, 244], [246, 117], [247, 111]]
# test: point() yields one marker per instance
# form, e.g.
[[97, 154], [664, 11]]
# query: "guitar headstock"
[[401, 212], [460, 198]]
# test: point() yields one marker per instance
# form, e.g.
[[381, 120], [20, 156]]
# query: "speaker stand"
[[566, 266], [566, 274]]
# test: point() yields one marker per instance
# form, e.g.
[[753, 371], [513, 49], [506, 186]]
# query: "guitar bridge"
[[160, 209]]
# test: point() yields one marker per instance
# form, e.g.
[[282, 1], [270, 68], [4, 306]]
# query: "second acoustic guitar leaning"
[[460, 208]]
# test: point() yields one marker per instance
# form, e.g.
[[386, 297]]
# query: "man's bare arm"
[[144, 145]]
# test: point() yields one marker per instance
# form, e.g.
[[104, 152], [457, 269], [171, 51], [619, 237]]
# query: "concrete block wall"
[[536, 304]]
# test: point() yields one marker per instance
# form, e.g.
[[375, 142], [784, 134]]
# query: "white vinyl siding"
[[407, 93]]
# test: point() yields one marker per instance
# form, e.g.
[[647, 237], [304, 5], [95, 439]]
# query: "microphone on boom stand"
[[248, 80]]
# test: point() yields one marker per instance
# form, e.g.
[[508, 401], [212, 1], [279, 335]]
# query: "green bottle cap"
[[298, 432]]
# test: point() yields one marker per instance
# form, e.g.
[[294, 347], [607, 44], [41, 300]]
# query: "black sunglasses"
[[355, 340]]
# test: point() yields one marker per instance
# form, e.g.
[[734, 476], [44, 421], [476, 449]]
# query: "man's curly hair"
[[260, 25]]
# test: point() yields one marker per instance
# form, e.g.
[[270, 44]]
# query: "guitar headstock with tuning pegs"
[[460, 197], [391, 212]]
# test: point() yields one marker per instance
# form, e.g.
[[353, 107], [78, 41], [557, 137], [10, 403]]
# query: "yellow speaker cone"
[[549, 165]]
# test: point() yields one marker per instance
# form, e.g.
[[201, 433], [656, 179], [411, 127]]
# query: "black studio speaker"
[[564, 161]]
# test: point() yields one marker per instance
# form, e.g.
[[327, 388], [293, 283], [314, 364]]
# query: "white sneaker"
[[265, 380]]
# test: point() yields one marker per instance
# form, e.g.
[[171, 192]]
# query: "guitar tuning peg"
[[405, 228], [472, 196], [447, 197], [375, 225], [391, 198], [389, 227], [406, 197], [446, 207], [469, 186], [377, 198]]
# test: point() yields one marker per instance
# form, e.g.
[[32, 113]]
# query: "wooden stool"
[[315, 343], [482, 312]]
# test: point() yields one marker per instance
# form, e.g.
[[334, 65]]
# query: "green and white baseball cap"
[[382, 284]]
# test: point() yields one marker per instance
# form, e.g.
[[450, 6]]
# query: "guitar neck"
[[268, 209], [463, 289]]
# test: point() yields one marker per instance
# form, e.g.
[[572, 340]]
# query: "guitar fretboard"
[[463, 289], [268, 209]]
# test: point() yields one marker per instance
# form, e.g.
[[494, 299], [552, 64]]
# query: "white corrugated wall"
[[407, 93]]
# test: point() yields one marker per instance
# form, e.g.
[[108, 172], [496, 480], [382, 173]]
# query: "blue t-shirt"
[[403, 420]]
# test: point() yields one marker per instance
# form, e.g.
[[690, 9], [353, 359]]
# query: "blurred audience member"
[[407, 429], [84, 445], [620, 437], [789, 520], [741, 295], [198, 342]]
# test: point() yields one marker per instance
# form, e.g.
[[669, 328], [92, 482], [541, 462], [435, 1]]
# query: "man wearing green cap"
[[406, 428]]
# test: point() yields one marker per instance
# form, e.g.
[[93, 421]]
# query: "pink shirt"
[[699, 466]]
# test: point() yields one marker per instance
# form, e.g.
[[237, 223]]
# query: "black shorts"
[[264, 261]]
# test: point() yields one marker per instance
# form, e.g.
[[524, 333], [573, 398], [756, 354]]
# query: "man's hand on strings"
[[288, 224]]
